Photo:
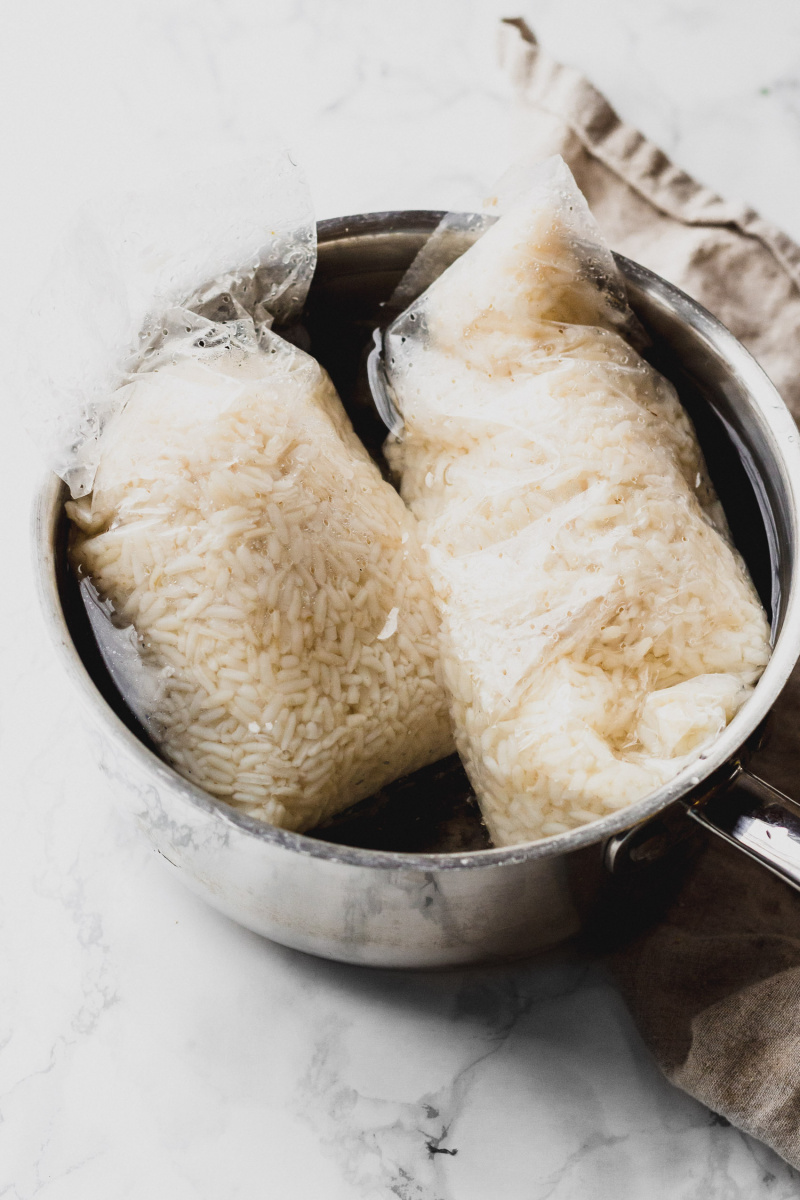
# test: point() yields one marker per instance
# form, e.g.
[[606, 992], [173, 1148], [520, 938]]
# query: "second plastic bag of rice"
[[598, 627]]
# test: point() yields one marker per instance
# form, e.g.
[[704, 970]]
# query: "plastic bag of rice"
[[273, 623], [255, 587], [598, 629]]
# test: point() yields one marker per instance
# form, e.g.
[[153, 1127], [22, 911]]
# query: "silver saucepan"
[[411, 909]]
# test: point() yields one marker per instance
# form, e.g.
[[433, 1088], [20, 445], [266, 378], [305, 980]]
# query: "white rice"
[[274, 582], [598, 628]]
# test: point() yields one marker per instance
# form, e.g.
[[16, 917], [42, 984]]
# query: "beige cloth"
[[715, 984], [658, 215]]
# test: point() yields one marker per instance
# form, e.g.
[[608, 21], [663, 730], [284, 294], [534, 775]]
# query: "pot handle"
[[757, 819]]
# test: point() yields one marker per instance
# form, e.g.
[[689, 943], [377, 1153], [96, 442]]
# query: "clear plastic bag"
[[598, 627], [256, 588], [132, 259]]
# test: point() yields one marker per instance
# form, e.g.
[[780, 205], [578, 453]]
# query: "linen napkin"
[[714, 985]]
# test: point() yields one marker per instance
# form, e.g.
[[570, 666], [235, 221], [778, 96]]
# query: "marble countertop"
[[148, 1047]]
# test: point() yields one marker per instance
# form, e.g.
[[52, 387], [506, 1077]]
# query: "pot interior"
[[361, 260]]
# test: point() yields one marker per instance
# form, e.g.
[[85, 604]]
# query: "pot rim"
[[774, 415]]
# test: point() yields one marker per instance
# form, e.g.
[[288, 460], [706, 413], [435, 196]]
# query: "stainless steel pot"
[[423, 910]]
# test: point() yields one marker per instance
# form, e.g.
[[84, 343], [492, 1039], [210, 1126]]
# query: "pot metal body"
[[431, 910]]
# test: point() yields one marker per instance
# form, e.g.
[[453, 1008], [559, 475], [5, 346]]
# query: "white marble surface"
[[148, 1047]]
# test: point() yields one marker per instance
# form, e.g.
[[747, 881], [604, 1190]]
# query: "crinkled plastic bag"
[[131, 260], [256, 588], [598, 627]]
